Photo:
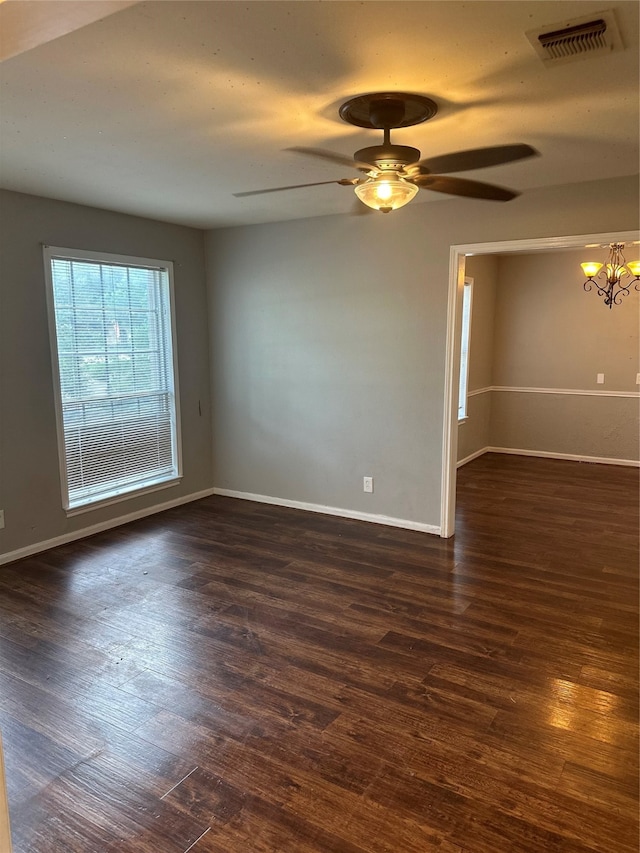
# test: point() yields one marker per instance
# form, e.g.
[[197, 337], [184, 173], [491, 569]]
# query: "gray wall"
[[328, 342], [474, 432], [29, 474], [600, 427], [549, 333]]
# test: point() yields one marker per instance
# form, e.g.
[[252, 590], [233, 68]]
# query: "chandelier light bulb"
[[615, 272], [590, 268]]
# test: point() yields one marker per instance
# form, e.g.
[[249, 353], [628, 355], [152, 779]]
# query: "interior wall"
[[550, 334], [326, 340], [328, 343], [474, 431], [29, 472]]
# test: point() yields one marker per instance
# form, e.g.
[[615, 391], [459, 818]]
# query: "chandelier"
[[611, 273]]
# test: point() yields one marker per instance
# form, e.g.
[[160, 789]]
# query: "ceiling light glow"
[[386, 192]]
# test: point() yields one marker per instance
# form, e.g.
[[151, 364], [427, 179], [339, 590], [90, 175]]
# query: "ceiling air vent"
[[579, 38]]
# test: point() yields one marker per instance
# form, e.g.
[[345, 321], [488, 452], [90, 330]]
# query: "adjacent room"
[[319, 426]]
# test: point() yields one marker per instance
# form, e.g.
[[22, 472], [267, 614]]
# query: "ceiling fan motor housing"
[[394, 157]]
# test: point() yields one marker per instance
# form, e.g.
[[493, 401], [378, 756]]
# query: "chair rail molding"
[[580, 392]]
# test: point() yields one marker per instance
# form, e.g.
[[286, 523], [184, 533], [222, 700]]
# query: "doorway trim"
[[457, 256]]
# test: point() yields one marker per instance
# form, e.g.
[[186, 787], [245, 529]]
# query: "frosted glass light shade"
[[615, 272], [634, 267], [591, 268], [385, 194]]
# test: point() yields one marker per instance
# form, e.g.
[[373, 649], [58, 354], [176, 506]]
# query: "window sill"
[[124, 496], [463, 420]]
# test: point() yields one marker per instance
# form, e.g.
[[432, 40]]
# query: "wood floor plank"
[[233, 677]]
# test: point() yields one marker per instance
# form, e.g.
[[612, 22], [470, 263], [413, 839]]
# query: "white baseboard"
[[37, 547], [472, 456], [388, 520], [599, 460], [46, 545], [545, 454]]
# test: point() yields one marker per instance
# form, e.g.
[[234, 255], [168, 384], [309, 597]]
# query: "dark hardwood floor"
[[231, 677]]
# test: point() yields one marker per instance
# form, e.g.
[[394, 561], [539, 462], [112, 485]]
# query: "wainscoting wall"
[[539, 346], [558, 423]]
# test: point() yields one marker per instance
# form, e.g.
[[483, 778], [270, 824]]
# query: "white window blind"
[[467, 298], [113, 350]]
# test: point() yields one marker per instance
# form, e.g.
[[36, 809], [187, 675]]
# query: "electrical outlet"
[[1, 519], [600, 378], [637, 378], [367, 484]]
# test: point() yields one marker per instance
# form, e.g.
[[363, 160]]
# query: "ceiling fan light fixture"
[[386, 193]]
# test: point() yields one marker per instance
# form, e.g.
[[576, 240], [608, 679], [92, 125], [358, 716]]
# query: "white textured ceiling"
[[164, 109]]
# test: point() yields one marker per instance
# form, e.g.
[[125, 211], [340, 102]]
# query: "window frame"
[[117, 493], [466, 312]]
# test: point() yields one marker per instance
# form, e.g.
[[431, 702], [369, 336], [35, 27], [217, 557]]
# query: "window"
[[467, 298], [114, 374]]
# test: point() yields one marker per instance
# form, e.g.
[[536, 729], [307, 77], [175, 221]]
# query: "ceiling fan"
[[395, 173]]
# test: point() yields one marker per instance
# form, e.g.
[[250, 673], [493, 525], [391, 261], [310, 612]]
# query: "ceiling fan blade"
[[463, 187], [475, 158], [345, 182], [333, 157]]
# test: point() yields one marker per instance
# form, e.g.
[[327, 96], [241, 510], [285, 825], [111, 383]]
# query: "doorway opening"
[[458, 255]]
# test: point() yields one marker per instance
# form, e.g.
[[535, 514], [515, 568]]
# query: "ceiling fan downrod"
[[386, 111]]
